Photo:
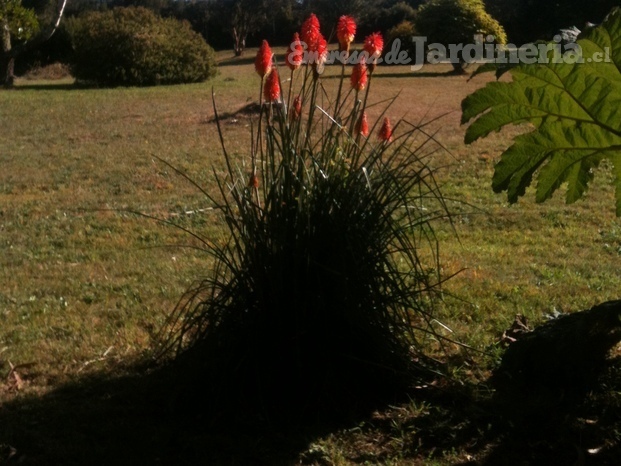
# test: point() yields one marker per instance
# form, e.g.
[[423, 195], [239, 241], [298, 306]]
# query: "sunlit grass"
[[85, 284]]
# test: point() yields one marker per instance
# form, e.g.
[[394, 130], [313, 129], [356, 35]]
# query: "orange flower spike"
[[310, 30], [362, 125], [385, 133], [296, 108], [271, 89], [295, 53], [373, 46], [263, 61], [345, 31], [359, 75]]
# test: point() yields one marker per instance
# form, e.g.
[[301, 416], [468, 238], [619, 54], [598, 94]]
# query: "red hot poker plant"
[[321, 49], [362, 125], [296, 109], [271, 89], [345, 32], [263, 60], [322, 279], [359, 75], [385, 132], [295, 53], [310, 30], [373, 46]]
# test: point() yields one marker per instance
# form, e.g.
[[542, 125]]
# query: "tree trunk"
[[240, 42], [459, 67], [7, 66], [7, 61]]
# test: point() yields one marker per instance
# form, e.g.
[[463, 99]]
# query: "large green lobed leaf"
[[575, 109]]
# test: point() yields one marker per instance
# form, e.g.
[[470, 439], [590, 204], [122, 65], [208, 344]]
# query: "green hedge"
[[135, 47]]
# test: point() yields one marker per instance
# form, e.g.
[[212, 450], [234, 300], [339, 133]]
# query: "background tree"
[[530, 20], [329, 11], [17, 23], [245, 17], [392, 14], [21, 31], [456, 22]]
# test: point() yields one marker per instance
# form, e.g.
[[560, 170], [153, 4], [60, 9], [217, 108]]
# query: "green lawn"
[[86, 284]]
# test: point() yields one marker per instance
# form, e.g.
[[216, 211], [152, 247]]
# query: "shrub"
[[48, 72], [320, 297], [404, 32], [457, 22], [133, 46]]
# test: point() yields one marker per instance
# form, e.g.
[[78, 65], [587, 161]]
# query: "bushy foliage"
[[389, 17], [22, 22], [321, 298], [457, 22], [133, 46], [404, 32]]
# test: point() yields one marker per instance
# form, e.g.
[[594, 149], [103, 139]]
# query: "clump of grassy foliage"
[[321, 300]]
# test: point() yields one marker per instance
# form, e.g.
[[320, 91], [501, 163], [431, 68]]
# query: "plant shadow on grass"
[[150, 417], [489, 428], [418, 74], [137, 419], [236, 61], [59, 86], [49, 86]]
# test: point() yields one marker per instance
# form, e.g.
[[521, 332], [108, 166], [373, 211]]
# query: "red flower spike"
[[362, 125], [295, 53], [263, 61], [359, 75], [271, 89], [373, 46], [345, 31], [296, 108], [385, 133], [310, 30], [322, 49]]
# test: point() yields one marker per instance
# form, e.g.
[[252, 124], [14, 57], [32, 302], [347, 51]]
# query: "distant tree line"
[[236, 24], [529, 20]]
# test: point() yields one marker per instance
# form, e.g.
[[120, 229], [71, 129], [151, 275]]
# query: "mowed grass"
[[86, 284]]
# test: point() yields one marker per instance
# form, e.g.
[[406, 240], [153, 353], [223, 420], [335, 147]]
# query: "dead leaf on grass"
[[6, 452], [15, 382]]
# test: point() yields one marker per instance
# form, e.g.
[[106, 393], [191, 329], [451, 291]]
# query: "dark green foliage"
[[404, 32], [530, 20], [21, 22], [456, 22], [134, 47]]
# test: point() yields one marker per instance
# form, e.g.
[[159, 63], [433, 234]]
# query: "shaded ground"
[[136, 419]]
